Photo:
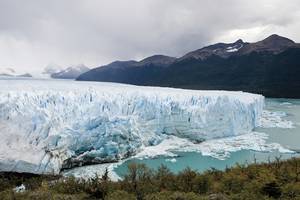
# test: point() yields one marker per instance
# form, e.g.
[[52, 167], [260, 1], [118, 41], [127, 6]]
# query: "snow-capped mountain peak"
[[71, 72], [223, 50]]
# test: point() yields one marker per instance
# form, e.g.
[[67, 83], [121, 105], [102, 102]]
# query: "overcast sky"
[[35, 33]]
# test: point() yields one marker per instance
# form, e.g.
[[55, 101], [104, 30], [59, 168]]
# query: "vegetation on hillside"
[[272, 75], [276, 180]]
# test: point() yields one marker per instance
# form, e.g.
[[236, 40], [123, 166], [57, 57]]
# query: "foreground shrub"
[[174, 196], [272, 190], [41, 195], [291, 191], [117, 195]]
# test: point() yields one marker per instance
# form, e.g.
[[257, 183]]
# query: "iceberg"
[[50, 125]]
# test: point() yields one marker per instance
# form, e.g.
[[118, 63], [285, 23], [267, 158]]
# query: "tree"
[[139, 180], [185, 179], [272, 190], [164, 178]]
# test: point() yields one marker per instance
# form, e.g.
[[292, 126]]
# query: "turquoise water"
[[289, 138]]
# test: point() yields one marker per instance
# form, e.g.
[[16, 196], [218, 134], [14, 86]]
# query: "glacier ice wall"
[[46, 126]]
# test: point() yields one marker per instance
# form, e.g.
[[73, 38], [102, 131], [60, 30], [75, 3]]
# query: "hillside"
[[270, 67]]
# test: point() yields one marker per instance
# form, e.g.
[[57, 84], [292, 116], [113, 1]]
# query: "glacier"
[[50, 125]]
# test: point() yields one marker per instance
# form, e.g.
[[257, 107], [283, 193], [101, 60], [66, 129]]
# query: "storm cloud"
[[34, 33]]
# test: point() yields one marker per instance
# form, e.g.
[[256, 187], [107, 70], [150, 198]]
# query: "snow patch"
[[234, 48]]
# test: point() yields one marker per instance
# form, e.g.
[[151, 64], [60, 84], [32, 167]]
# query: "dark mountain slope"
[[267, 74], [270, 67], [223, 50], [274, 43], [145, 72], [158, 60]]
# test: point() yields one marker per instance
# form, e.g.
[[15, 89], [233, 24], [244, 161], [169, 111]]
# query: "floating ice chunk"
[[173, 160], [274, 120], [286, 103]]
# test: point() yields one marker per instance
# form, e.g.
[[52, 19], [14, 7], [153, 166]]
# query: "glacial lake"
[[286, 137]]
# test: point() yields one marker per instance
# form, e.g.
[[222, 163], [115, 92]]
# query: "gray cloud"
[[34, 33]]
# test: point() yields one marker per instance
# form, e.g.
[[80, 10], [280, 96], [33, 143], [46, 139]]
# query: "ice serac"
[[47, 126]]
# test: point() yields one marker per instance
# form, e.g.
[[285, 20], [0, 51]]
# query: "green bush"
[[174, 196], [291, 191], [119, 194], [272, 190]]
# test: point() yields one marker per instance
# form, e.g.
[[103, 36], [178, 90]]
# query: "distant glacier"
[[47, 126]]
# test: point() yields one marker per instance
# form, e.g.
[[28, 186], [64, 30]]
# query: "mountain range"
[[10, 72], [72, 72], [270, 67]]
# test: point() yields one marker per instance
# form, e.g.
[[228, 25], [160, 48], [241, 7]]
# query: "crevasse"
[[46, 126]]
